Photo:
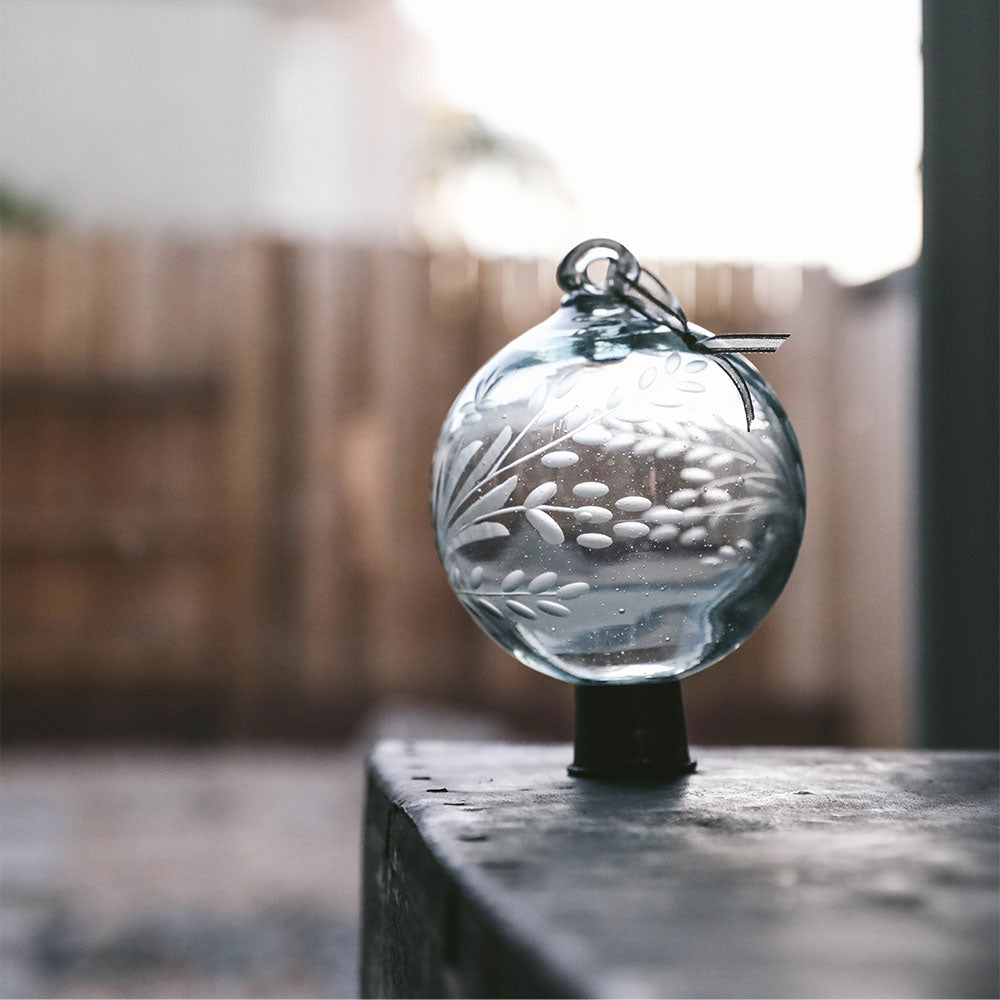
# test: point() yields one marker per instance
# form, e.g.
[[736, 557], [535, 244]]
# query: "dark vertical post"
[[958, 377], [630, 732]]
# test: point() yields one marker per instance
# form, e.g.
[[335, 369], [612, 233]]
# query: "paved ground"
[[209, 873], [201, 874]]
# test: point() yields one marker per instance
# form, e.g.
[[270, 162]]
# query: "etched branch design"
[[543, 594], [470, 509]]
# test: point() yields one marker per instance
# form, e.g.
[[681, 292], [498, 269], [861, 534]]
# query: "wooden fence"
[[214, 491]]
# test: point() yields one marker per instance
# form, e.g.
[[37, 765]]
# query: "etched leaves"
[[512, 597], [491, 455], [462, 527], [465, 529], [540, 494], [546, 526], [679, 379], [473, 499], [448, 481], [478, 533]]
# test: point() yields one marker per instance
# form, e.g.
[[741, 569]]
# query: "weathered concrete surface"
[[769, 872]]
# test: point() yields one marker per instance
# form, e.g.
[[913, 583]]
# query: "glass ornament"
[[618, 496]]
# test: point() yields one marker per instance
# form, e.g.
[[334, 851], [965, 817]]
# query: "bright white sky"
[[773, 130]]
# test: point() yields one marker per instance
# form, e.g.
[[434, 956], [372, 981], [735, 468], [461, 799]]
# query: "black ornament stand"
[[630, 732]]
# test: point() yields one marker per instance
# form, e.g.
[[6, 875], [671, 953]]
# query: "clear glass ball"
[[600, 507]]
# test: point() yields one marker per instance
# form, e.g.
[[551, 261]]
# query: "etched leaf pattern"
[[461, 463], [543, 595], [479, 533], [473, 493], [490, 502]]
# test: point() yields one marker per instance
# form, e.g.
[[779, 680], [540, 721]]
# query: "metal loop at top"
[[623, 268], [643, 292]]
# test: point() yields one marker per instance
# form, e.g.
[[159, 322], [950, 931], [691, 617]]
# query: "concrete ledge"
[[768, 873]]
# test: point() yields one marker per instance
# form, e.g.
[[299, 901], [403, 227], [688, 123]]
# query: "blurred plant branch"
[[19, 209]]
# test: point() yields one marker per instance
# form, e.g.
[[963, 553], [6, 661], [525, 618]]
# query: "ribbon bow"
[[629, 282]]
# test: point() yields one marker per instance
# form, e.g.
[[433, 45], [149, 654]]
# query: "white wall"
[[206, 116]]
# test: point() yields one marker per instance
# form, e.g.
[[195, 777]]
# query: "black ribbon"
[[717, 347], [628, 281]]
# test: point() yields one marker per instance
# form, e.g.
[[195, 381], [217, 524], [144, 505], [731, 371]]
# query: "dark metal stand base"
[[630, 732]]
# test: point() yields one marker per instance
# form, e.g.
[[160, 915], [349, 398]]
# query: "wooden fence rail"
[[215, 467]]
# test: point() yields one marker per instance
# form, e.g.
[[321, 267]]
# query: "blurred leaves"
[[460, 139], [20, 209]]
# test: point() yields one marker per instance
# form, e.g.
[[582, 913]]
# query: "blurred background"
[[250, 251]]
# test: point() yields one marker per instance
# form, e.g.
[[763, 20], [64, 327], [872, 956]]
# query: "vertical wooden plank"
[[283, 580], [803, 627], [68, 301], [495, 299], [66, 304], [248, 473], [413, 615], [127, 453], [713, 296], [136, 272], [331, 290], [874, 381], [744, 312], [681, 277], [399, 314], [106, 332], [185, 301], [778, 289], [206, 491], [22, 288], [264, 492]]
